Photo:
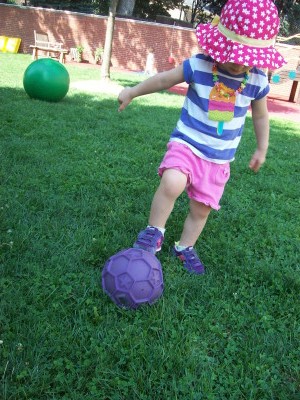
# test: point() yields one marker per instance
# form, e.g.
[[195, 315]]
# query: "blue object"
[[292, 75], [276, 78], [220, 128]]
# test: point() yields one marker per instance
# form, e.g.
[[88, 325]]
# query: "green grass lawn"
[[77, 180]]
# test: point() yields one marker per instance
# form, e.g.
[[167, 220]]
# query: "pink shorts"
[[205, 180]]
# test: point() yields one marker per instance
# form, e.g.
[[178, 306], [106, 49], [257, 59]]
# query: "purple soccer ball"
[[133, 277]]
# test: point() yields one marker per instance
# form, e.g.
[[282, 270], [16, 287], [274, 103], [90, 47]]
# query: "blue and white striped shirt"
[[195, 129]]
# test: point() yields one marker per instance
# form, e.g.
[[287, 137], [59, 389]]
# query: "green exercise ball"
[[46, 79]]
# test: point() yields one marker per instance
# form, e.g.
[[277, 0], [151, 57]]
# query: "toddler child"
[[149, 69], [223, 83]]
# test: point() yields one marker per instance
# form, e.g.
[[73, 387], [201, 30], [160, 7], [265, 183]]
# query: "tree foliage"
[[289, 10], [202, 10], [126, 7], [137, 8], [84, 6], [149, 10]]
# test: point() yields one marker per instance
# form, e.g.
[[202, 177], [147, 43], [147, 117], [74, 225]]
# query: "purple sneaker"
[[190, 260], [150, 240]]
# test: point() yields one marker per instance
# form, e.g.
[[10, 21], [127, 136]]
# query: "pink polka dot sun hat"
[[245, 34]]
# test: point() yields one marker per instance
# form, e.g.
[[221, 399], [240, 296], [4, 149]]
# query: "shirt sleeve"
[[264, 87], [188, 72]]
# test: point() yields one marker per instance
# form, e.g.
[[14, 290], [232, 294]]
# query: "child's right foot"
[[150, 240]]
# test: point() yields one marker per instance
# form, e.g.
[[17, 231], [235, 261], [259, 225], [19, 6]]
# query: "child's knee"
[[173, 182]]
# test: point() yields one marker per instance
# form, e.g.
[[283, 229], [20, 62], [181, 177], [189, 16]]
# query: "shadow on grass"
[[80, 154]]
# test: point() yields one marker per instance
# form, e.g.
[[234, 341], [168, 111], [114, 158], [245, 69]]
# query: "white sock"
[[162, 230], [178, 247]]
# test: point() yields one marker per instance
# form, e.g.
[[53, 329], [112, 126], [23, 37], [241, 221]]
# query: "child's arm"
[[161, 81], [260, 117]]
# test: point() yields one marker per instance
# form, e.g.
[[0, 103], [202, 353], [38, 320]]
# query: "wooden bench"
[[285, 75], [291, 71], [42, 44], [294, 90]]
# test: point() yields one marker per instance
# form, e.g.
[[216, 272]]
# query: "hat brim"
[[223, 50]]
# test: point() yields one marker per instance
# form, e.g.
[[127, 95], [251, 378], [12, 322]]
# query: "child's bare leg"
[[194, 223], [172, 184]]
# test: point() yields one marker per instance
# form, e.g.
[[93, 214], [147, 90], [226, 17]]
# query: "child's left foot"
[[190, 260]]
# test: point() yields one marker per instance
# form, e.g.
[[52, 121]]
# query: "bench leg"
[[293, 91], [34, 54]]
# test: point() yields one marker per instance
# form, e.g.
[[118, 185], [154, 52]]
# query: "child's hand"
[[124, 98], [257, 160]]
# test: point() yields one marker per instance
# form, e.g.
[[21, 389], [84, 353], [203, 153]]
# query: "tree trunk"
[[126, 7], [105, 69]]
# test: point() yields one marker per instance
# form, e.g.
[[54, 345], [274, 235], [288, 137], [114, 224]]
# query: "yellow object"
[[245, 39], [3, 41], [215, 20], [12, 45]]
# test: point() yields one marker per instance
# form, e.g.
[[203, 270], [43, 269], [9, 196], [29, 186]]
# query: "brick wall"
[[130, 43]]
